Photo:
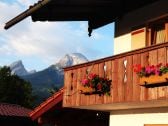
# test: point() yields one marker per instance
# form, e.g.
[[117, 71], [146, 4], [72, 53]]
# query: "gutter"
[[26, 13]]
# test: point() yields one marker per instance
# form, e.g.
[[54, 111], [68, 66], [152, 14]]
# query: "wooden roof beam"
[[25, 14]]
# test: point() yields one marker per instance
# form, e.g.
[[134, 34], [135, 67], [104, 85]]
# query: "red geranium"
[[97, 83], [158, 69]]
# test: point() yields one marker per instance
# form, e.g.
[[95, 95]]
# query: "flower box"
[[153, 74], [154, 79], [93, 84], [86, 90], [90, 91]]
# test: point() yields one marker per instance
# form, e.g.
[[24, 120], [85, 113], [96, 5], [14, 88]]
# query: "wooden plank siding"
[[152, 92], [101, 73], [115, 80], [108, 74], [129, 83], [145, 62], [125, 86], [84, 98], [161, 59], [136, 87]]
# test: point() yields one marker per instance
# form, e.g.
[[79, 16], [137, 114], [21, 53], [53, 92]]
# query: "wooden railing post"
[[166, 31]]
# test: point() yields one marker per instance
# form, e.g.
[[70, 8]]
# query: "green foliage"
[[53, 89], [14, 89]]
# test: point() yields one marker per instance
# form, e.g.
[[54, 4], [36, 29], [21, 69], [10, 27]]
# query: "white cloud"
[[27, 3], [46, 40], [6, 10]]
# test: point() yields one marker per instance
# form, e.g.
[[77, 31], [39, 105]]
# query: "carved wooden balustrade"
[[125, 90]]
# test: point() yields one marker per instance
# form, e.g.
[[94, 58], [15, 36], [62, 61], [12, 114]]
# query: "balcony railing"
[[125, 89]]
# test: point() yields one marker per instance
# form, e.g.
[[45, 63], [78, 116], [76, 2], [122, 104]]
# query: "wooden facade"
[[125, 89]]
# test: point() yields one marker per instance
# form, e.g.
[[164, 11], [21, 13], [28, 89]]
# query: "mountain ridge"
[[51, 76], [18, 68]]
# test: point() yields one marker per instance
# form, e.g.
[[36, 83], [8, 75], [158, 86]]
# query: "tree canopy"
[[15, 90]]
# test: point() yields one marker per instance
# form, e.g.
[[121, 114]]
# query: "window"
[[157, 32], [152, 33]]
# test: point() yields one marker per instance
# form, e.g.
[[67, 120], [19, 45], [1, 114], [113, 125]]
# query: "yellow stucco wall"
[[138, 119], [130, 41], [138, 40], [122, 44]]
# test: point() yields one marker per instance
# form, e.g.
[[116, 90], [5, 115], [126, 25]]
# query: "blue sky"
[[41, 44]]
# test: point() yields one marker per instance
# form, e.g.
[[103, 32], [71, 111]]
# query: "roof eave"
[[26, 13]]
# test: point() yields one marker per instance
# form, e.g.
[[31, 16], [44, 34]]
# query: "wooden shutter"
[[138, 38], [166, 31]]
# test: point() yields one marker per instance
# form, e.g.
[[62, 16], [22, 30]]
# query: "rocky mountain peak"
[[72, 59], [16, 63], [18, 68]]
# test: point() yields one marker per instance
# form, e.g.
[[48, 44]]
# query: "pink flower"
[[85, 81], [157, 72], [158, 69], [92, 76], [148, 69], [153, 69]]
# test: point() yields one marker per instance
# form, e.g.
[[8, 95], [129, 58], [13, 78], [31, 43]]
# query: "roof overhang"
[[97, 12]]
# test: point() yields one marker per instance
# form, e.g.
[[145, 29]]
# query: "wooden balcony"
[[126, 93]]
